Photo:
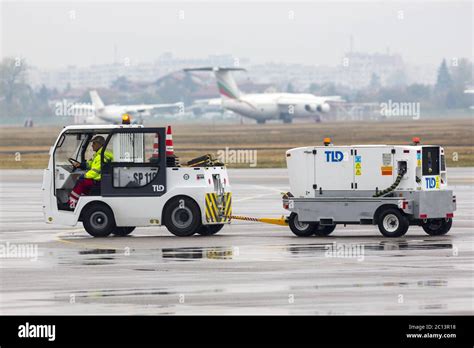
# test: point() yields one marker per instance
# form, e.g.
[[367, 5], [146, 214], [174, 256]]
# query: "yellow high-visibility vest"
[[95, 170]]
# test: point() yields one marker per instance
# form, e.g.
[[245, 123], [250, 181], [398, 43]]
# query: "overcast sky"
[[57, 34]]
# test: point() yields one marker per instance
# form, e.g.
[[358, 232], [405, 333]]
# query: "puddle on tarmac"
[[92, 257], [121, 292], [418, 284], [101, 293], [98, 257], [315, 248], [433, 306], [97, 251], [193, 253]]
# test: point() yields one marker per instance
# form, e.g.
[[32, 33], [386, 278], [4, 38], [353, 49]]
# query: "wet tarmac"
[[247, 268]]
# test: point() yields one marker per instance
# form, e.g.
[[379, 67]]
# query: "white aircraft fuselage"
[[99, 112], [266, 106]]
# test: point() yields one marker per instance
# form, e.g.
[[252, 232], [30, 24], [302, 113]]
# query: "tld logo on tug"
[[334, 156]]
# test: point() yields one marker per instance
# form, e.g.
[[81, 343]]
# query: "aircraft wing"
[[208, 102], [147, 107], [307, 98]]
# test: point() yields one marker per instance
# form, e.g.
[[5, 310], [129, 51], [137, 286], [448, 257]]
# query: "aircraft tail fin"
[[225, 81], [96, 101]]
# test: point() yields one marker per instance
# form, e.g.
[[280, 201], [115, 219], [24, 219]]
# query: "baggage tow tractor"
[[141, 186], [391, 186]]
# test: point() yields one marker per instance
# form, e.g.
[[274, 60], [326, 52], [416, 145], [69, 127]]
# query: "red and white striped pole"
[[155, 147], [169, 143]]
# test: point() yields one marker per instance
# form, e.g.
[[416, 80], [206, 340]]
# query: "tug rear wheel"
[[209, 230], [301, 229], [182, 216]]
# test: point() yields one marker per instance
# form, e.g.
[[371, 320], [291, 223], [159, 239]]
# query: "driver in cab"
[[93, 175]]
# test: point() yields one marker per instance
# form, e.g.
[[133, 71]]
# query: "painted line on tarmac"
[[58, 238], [252, 197], [260, 195]]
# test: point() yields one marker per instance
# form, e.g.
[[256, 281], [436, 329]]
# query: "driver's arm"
[[81, 165], [84, 165]]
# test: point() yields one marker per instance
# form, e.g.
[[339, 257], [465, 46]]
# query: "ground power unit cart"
[[392, 186]]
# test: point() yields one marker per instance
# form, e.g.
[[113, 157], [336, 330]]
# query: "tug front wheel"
[[437, 227], [301, 229], [123, 231], [98, 220], [182, 216]]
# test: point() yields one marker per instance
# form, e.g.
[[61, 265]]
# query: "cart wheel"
[[209, 230], [324, 230], [437, 227], [301, 229], [98, 220], [392, 223], [123, 231], [182, 216]]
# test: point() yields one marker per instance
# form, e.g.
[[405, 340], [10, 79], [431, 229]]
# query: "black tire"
[[392, 223], [323, 231], [301, 229], [437, 227], [123, 231], [98, 220], [209, 230], [182, 216]]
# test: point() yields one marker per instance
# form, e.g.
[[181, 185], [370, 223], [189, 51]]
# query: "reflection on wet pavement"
[[97, 251], [415, 284], [188, 254], [321, 248]]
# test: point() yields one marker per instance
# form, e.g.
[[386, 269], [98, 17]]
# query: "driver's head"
[[97, 142]]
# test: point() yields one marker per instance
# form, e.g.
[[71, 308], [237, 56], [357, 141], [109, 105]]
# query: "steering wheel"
[[73, 161]]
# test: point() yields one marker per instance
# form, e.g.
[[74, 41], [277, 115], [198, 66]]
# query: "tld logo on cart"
[[334, 156], [432, 182]]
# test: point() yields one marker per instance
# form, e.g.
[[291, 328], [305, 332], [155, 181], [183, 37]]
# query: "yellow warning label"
[[358, 172], [418, 163], [358, 166], [437, 182], [218, 209]]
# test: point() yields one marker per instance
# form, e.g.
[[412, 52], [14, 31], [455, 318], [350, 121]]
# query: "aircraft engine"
[[317, 107], [324, 107]]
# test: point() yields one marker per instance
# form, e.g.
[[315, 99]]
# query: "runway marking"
[[259, 195], [268, 188], [253, 197], [58, 238]]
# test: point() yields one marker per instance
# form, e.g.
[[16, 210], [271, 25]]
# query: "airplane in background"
[[99, 112], [267, 106], [470, 91]]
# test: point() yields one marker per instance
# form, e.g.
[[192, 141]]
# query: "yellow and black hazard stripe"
[[218, 211]]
